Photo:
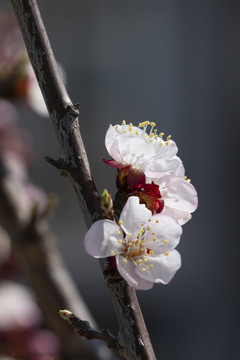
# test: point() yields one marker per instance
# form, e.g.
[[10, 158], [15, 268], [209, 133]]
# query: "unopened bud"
[[107, 205]]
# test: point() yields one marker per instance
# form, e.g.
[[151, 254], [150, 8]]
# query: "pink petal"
[[111, 144], [163, 269], [166, 228], [133, 214], [128, 272], [101, 240]]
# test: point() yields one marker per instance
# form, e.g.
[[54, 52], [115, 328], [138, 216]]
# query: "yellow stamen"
[[167, 253], [161, 134], [165, 241], [120, 222], [154, 239], [169, 137], [118, 232], [112, 252], [150, 266], [123, 122]]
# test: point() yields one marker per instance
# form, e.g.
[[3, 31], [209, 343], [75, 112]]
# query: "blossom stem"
[[74, 164]]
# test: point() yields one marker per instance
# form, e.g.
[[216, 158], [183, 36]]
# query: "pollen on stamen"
[[123, 122], [125, 261], [129, 234], [116, 127], [161, 134], [149, 220], [166, 253], [152, 124], [185, 177], [150, 266], [167, 142], [120, 222], [165, 241], [142, 269], [154, 239], [169, 137], [189, 180], [153, 233], [155, 130], [136, 132], [151, 135], [148, 228], [140, 125], [145, 260], [160, 145], [120, 241], [151, 252], [157, 221], [124, 131], [112, 252], [118, 232], [139, 261]]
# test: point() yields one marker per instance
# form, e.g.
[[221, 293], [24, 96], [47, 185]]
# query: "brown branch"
[[74, 164], [83, 329]]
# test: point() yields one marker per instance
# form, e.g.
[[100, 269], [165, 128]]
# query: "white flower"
[[143, 245], [179, 196], [131, 145]]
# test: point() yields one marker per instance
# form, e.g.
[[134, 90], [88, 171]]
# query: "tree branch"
[[74, 164], [83, 328]]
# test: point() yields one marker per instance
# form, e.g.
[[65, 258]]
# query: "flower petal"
[[101, 240], [128, 272], [160, 167], [135, 150], [163, 267], [163, 235], [133, 214], [181, 195], [111, 144]]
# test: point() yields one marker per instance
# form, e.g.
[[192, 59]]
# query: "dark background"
[[175, 63]]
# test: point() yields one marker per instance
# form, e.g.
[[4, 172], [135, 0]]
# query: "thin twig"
[[74, 164], [84, 329]]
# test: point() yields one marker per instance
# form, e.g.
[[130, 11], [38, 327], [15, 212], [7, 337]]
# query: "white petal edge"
[[163, 269], [133, 214], [128, 272], [101, 240]]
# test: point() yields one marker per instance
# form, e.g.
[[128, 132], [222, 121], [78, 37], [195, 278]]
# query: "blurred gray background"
[[175, 63]]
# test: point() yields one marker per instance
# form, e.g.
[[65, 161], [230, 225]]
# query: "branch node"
[[83, 328]]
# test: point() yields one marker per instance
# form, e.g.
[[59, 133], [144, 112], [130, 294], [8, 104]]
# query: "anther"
[[157, 221], [123, 122], [118, 232], [112, 252], [160, 145], [167, 142], [148, 228], [165, 241], [150, 266], [120, 241], [161, 134], [120, 222], [154, 239], [166, 253], [143, 269], [189, 180], [152, 124], [169, 137], [116, 127], [149, 220]]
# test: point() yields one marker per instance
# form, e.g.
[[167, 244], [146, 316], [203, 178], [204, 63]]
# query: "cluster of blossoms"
[[160, 199]]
